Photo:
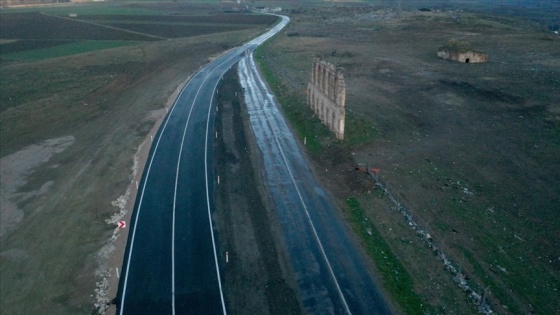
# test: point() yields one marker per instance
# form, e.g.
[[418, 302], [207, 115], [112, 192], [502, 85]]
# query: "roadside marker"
[[218, 179], [121, 224], [118, 277], [216, 135], [227, 257], [151, 138], [136, 184]]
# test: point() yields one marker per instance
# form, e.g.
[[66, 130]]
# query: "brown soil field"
[[44, 27], [212, 19], [35, 30], [74, 134], [470, 150], [23, 45], [177, 31]]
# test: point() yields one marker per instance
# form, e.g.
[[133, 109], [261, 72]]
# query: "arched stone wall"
[[326, 95]]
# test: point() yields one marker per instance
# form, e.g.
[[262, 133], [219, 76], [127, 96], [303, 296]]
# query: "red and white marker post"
[[121, 224]]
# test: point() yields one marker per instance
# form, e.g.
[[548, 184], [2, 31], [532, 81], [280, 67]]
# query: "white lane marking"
[[262, 84], [142, 194], [208, 202], [175, 197], [176, 184], [138, 211]]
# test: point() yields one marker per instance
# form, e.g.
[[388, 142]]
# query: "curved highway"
[[171, 264]]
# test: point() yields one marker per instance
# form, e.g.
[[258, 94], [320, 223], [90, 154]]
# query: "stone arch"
[[312, 99], [326, 93], [325, 80]]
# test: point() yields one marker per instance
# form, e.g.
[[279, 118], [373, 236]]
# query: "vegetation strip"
[[300, 117], [71, 48], [396, 279], [458, 277]]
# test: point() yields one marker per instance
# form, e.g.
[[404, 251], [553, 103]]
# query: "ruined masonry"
[[461, 51], [326, 95], [464, 56]]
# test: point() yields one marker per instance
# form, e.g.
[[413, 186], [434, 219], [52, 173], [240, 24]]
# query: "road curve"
[[171, 264], [331, 273]]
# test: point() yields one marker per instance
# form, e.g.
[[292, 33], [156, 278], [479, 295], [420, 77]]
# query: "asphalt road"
[[171, 265], [331, 272]]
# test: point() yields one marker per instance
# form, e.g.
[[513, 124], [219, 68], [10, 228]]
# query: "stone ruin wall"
[[464, 57], [326, 95]]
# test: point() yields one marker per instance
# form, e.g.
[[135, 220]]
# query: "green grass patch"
[[301, 117], [396, 279], [496, 290], [66, 50], [358, 130]]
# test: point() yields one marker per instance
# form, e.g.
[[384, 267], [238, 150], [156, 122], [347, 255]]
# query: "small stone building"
[[462, 52]]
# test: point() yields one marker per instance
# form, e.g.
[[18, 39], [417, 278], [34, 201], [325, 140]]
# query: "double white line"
[[138, 211]]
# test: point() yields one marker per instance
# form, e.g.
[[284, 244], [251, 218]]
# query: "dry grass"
[[443, 127]]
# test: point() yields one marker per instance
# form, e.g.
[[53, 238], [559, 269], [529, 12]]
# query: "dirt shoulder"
[[257, 279]]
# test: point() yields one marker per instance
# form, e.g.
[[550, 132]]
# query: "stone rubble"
[[101, 299], [458, 277]]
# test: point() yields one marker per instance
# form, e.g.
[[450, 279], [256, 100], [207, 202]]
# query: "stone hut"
[[462, 52], [326, 95]]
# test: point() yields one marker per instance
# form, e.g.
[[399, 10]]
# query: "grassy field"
[[471, 150], [66, 49], [396, 279], [70, 128]]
